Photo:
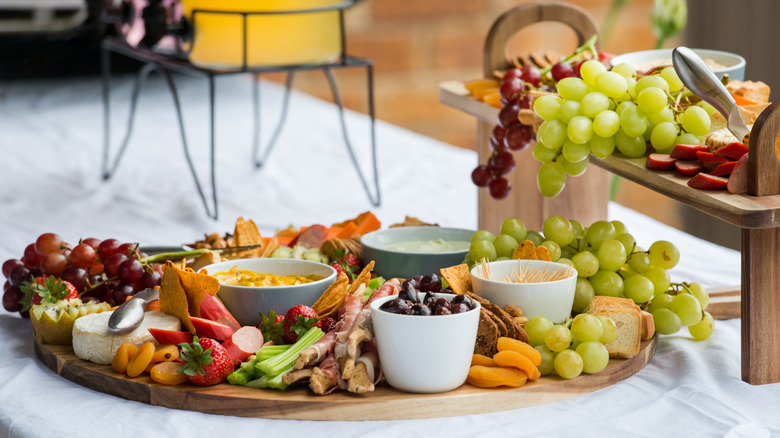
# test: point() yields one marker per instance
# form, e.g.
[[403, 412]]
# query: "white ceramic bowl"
[[551, 299], [247, 302], [425, 354], [732, 63]]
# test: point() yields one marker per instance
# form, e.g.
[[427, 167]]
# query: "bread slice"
[[648, 326], [756, 91], [628, 319]]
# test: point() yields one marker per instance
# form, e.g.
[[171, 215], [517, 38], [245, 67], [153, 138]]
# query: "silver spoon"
[[695, 74], [129, 315]]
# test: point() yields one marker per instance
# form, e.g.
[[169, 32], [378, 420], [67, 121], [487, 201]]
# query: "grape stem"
[[589, 44]]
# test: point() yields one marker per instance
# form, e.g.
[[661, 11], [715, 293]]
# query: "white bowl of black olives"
[[425, 339]]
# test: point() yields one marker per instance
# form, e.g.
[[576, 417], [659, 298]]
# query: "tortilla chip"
[[333, 296], [173, 299], [363, 278], [196, 286], [458, 277], [542, 253], [245, 234], [413, 222], [526, 251], [270, 247]]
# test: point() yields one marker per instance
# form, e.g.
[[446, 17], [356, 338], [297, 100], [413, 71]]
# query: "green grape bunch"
[[608, 111], [609, 262]]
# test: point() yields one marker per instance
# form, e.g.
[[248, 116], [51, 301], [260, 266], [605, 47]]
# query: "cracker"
[[525, 251], [196, 286], [173, 299], [268, 249], [542, 253], [487, 335], [458, 277], [363, 278], [333, 297]]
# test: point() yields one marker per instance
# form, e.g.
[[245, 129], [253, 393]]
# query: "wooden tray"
[[383, 404]]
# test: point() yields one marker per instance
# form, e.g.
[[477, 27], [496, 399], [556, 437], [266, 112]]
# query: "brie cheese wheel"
[[93, 342]]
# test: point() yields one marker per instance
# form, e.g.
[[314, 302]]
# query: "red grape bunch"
[[510, 134], [106, 270]]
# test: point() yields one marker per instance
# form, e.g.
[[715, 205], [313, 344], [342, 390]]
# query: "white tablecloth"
[[50, 152]]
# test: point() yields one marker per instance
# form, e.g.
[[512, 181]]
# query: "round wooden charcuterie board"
[[383, 404]]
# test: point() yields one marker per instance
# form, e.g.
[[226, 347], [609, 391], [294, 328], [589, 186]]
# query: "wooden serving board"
[[383, 404]]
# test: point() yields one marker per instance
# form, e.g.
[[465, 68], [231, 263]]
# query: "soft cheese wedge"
[[93, 342]]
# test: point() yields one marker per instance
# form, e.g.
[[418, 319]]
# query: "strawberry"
[[205, 367], [328, 324], [298, 321], [346, 263], [272, 327], [46, 290]]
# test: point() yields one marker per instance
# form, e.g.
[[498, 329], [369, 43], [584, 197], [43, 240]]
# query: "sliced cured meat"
[[705, 181], [313, 237], [738, 179], [710, 160], [170, 336], [658, 161], [212, 308], [243, 343], [390, 287], [687, 151], [211, 329], [317, 351], [688, 167], [734, 150], [724, 169]]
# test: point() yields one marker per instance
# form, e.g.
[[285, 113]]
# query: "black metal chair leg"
[[337, 99], [176, 103], [272, 142], [140, 79]]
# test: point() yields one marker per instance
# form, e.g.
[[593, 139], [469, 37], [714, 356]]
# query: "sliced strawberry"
[[211, 329], [705, 181], [170, 336], [724, 169], [658, 161], [688, 167], [734, 150], [687, 151], [710, 160]]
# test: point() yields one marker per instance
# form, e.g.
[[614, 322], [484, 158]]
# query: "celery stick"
[[260, 383], [249, 367], [271, 351], [275, 382], [239, 377], [275, 365]]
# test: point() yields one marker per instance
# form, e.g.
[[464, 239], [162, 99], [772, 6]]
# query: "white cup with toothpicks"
[[538, 287]]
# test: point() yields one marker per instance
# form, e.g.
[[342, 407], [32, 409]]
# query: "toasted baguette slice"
[[648, 326], [628, 319]]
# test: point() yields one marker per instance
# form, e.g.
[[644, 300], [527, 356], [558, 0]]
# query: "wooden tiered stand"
[[584, 198], [756, 213]]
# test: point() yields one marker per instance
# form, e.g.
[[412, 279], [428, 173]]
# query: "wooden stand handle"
[[524, 15], [763, 164]]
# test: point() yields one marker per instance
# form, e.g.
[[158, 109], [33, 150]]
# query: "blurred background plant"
[[669, 19]]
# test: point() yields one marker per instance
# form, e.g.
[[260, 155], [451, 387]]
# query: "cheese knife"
[[698, 78]]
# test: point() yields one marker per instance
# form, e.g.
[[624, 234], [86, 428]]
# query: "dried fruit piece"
[[141, 360], [167, 373], [122, 357]]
